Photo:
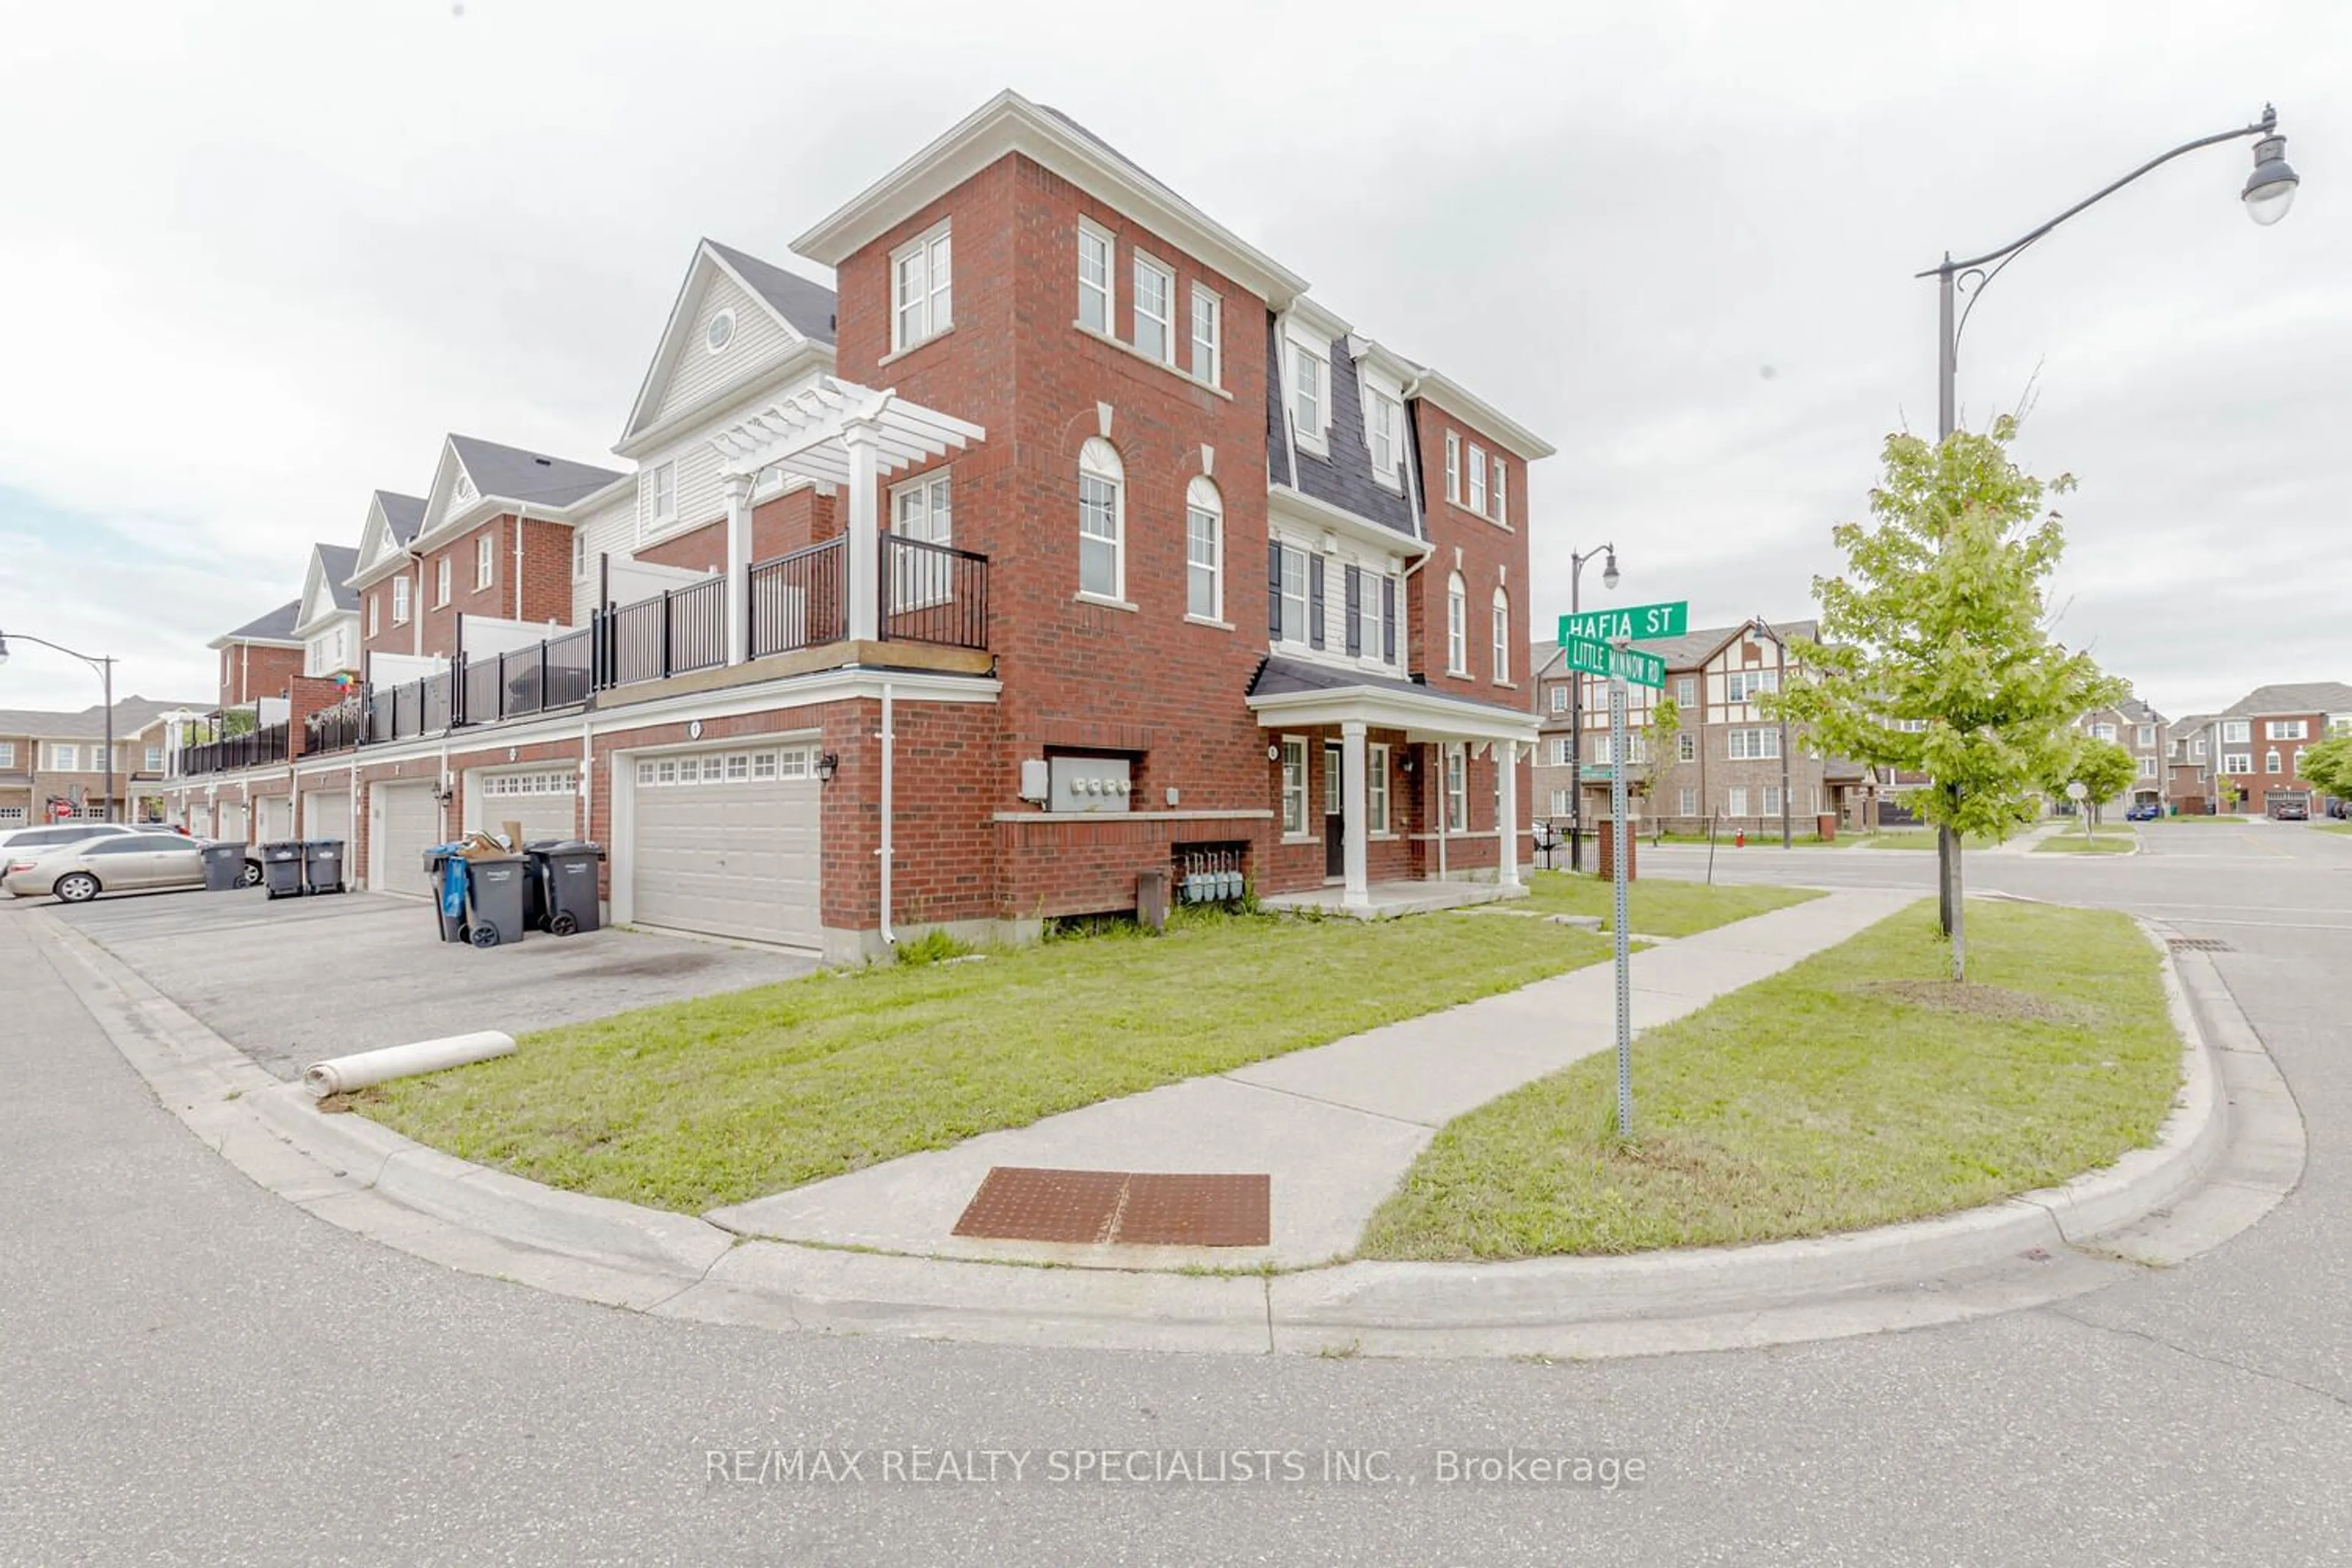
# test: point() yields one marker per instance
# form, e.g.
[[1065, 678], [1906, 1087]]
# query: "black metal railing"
[[335, 729], [928, 593], [230, 753], [801, 600], [933, 593]]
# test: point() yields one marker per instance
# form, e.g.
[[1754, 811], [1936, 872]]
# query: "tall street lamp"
[[2269, 192], [104, 664], [1575, 703]]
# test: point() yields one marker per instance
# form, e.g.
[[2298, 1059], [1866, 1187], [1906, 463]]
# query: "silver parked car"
[[49, 835], [112, 863]]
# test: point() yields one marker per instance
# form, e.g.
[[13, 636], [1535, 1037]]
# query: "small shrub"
[[931, 947]]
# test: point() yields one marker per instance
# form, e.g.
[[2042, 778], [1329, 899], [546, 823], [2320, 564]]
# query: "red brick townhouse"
[[1067, 540], [2259, 743]]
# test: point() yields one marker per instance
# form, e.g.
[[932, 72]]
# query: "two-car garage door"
[[726, 842]]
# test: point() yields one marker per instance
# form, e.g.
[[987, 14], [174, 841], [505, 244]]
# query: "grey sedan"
[[120, 863]]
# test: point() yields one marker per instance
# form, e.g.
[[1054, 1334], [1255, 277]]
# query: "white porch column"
[[739, 568], [1506, 811], [863, 439], [1355, 813]]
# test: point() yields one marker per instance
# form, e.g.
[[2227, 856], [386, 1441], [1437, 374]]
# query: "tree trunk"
[[1955, 922]]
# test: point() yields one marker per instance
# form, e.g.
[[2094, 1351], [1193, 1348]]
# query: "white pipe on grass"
[[340, 1075]]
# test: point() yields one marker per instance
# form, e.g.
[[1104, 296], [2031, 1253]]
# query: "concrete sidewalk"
[[1335, 1126]]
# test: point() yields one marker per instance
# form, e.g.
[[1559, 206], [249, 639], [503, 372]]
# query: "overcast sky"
[[255, 258]]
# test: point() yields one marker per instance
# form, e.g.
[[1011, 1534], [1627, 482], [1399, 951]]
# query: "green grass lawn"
[[1858, 1089], [2225, 818], [730, 1097], [1769, 837], [2106, 841], [1921, 838], [2336, 826], [1658, 909]]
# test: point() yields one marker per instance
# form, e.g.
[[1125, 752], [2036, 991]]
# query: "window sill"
[[895, 355], [1380, 838], [1103, 601], [1206, 621], [1457, 674], [1507, 684], [1123, 346], [1301, 839]]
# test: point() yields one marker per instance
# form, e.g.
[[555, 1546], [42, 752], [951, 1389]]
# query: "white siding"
[[611, 529], [701, 497], [1334, 650], [759, 341]]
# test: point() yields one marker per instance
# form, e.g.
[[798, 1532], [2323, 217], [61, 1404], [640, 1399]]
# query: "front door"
[[1335, 821]]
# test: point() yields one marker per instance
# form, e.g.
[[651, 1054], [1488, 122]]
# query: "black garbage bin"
[[453, 922], [494, 898], [562, 894], [224, 867], [323, 864], [281, 869]]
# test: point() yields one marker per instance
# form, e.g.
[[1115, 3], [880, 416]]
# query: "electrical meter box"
[[1089, 783]]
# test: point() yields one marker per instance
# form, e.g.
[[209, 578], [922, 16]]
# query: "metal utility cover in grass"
[[1140, 1209]]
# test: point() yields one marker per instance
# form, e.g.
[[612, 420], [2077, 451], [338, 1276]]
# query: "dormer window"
[[1381, 430], [1307, 375]]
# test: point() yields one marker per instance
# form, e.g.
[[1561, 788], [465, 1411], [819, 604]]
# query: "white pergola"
[[843, 434]]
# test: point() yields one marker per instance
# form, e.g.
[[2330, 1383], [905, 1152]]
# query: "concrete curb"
[[2018, 1252]]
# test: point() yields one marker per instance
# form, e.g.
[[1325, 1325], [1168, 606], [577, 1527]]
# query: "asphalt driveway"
[[294, 980]]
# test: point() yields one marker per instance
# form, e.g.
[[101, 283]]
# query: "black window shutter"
[[1315, 601], [1387, 619], [1274, 589], [1355, 611]]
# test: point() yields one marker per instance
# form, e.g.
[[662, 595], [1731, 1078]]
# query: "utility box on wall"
[[1089, 783]]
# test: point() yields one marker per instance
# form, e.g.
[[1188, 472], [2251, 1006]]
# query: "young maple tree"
[[2104, 769], [1935, 653]]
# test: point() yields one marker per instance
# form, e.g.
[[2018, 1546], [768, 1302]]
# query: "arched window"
[[1502, 635], [1205, 550], [1102, 520], [1457, 627]]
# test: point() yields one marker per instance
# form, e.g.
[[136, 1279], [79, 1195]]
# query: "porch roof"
[[805, 433], [1294, 692]]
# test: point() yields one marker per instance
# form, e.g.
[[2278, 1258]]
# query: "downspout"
[[889, 937], [586, 816], [522, 510]]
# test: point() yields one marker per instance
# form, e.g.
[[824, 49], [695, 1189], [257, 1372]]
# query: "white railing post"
[[863, 438], [1507, 863], [1354, 820], [739, 568]]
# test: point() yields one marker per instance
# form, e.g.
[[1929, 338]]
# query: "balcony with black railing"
[[924, 592]]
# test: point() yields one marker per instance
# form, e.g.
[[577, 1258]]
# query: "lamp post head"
[[2270, 189], [1609, 572]]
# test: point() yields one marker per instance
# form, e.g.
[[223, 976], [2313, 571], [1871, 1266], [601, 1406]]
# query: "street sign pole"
[[1617, 872]]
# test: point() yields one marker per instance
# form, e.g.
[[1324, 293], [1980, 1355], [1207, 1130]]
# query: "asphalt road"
[[192, 1371]]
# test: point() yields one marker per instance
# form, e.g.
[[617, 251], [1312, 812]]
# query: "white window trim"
[[65, 757], [1318, 439], [1166, 274], [1213, 347], [7, 753], [1376, 789], [486, 561], [441, 576], [375, 613], [1502, 490], [1457, 627], [1294, 745], [1477, 479], [1368, 622], [1109, 291], [1502, 638], [1117, 479], [400, 600], [1559, 698], [2239, 730], [579, 553], [1454, 468], [1736, 801], [711, 326], [1456, 781], [1202, 498], [1688, 801], [936, 321]]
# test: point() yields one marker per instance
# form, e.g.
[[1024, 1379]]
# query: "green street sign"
[[1599, 658], [1639, 624]]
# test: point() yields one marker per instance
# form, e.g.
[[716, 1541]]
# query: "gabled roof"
[[511, 473], [804, 308], [404, 514], [2330, 697], [1010, 123], [1688, 651], [132, 715], [335, 563], [277, 627], [807, 306]]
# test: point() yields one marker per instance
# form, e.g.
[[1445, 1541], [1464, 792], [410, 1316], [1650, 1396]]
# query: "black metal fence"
[[933, 593], [801, 600], [929, 593]]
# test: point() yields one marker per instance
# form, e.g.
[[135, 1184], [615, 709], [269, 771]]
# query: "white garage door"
[[230, 824], [406, 823], [726, 842], [200, 821], [546, 801], [326, 814], [273, 818]]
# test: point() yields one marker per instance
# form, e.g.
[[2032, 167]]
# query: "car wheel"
[[250, 877], [76, 888]]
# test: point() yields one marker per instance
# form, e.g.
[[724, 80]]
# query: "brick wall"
[[252, 672], [391, 637], [546, 581], [1488, 555]]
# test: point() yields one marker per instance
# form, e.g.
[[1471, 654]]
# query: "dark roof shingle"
[[510, 473], [808, 305], [277, 626]]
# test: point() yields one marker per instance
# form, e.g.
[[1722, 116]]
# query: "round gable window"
[[721, 330]]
